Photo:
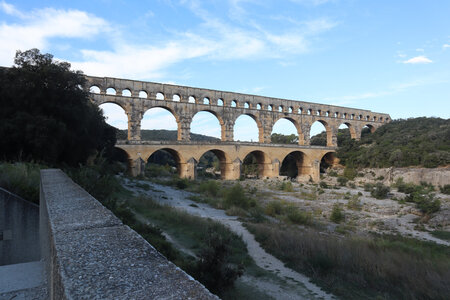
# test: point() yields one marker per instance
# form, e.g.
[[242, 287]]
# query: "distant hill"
[[165, 135], [400, 143]]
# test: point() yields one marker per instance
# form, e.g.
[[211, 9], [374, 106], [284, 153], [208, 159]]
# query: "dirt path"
[[298, 285]]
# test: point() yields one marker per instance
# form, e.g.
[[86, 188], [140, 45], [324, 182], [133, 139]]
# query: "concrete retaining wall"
[[90, 254], [19, 229]]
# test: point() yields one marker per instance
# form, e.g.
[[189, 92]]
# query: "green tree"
[[46, 116]]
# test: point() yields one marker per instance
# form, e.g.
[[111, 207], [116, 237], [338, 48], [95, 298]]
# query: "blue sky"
[[385, 56]]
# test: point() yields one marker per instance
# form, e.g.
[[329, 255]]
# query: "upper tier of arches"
[[136, 97]]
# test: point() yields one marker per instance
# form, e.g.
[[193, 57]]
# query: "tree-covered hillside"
[[400, 143], [165, 135]]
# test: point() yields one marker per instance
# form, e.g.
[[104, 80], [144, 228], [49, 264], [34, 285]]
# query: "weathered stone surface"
[[184, 102], [92, 255]]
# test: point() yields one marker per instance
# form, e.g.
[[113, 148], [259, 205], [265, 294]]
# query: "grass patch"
[[387, 267], [21, 179], [441, 234]]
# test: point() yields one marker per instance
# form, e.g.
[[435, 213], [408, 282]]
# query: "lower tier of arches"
[[303, 163]]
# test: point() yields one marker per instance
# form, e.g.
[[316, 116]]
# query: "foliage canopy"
[[45, 115]]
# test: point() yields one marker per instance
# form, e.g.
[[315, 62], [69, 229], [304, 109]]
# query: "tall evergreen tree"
[[45, 115]]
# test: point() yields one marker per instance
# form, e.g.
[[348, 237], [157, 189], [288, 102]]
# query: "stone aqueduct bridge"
[[136, 97]]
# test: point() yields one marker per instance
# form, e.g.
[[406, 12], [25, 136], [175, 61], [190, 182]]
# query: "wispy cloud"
[[422, 59], [390, 90], [38, 27], [215, 38], [445, 46]]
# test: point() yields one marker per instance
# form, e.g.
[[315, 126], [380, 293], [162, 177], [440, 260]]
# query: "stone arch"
[[371, 127], [111, 91], [95, 89], [177, 157], [293, 165], [166, 108], [126, 92], [351, 128], [301, 137], [261, 160], [329, 132], [258, 124], [224, 161], [143, 94], [327, 160], [120, 117], [217, 116]]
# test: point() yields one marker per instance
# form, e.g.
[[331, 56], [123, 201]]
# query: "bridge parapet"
[[90, 254]]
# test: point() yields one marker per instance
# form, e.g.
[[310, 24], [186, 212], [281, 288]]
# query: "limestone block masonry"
[[90, 254], [136, 97]]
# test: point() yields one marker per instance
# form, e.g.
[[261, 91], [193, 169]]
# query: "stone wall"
[[19, 229], [90, 254]]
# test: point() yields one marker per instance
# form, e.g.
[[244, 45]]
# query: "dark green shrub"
[[337, 215], [342, 180], [323, 185], [368, 187], [286, 186], [445, 189], [332, 173], [273, 208], [213, 268], [210, 188], [350, 173], [297, 216], [236, 196], [380, 191], [427, 203]]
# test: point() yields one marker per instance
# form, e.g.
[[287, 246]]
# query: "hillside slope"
[[401, 143], [165, 135]]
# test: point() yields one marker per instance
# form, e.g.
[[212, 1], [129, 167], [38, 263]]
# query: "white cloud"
[[213, 39], [445, 46], [311, 2], [422, 59], [38, 27]]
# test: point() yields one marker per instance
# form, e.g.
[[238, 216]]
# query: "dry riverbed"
[[284, 284]]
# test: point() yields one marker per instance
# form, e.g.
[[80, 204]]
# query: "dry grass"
[[362, 267]]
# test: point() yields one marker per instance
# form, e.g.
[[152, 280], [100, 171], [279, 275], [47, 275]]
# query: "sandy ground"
[[297, 285]]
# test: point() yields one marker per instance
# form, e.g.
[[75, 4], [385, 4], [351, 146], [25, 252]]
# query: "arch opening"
[[126, 93], [206, 101], [256, 164], [110, 91], [159, 123], [285, 131], [292, 165], [258, 106], [212, 164], [176, 98], [367, 130], [327, 161], [234, 103], [320, 134], [143, 94], [163, 163], [116, 116], [345, 133], [220, 102], [191, 99], [159, 96], [94, 89], [247, 129], [206, 124], [246, 105]]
